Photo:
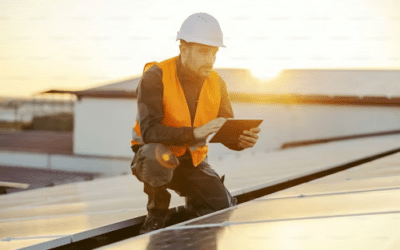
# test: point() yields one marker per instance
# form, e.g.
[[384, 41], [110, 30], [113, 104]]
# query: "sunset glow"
[[71, 44]]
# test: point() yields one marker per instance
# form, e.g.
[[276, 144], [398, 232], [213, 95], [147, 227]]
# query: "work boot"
[[152, 223]]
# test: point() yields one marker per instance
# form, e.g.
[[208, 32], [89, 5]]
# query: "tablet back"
[[232, 129]]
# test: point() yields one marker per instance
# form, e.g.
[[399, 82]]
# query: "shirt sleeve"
[[225, 110], [225, 107], [151, 113]]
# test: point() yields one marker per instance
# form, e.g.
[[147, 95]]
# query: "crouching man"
[[181, 101]]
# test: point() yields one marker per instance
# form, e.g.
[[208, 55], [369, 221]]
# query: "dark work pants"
[[201, 186]]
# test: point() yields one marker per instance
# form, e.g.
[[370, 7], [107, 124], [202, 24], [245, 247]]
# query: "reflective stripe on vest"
[[176, 110], [136, 135]]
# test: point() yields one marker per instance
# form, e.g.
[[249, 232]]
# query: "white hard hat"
[[201, 28]]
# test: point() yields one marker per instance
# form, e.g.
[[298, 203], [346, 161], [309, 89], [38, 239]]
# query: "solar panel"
[[379, 231], [255, 171], [59, 215], [380, 174], [355, 209]]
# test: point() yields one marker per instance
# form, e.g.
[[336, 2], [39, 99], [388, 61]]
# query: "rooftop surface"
[[40, 178], [37, 141], [42, 142]]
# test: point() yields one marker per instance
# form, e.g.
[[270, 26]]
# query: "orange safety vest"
[[176, 110]]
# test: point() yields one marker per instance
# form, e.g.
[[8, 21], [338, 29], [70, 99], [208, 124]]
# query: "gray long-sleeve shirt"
[[150, 106]]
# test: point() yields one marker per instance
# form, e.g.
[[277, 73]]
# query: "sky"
[[78, 44]]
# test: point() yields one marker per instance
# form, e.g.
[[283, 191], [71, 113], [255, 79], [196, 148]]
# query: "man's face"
[[199, 58]]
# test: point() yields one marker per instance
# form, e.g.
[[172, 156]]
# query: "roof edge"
[[314, 99], [96, 94], [260, 98]]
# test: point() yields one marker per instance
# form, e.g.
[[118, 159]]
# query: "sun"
[[265, 72]]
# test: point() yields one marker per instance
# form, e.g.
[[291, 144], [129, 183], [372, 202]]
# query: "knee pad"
[[154, 164]]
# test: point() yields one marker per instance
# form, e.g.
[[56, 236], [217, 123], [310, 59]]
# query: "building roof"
[[237, 80], [120, 89], [128, 85], [328, 86], [361, 83], [295, 86]]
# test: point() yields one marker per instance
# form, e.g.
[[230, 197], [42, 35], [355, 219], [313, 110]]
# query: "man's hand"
[[207, 129], [249, 138]]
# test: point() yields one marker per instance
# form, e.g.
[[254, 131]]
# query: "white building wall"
[[104, 126], [285, 123]]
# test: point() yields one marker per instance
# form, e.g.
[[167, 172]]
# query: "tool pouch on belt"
[[136, 148], [154, 164]]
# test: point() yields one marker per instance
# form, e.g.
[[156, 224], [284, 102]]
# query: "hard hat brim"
[[201, 41]]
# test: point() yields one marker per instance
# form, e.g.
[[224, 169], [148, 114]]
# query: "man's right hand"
[[207, 129]]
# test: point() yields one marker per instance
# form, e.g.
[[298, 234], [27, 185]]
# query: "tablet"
[[232, 129]]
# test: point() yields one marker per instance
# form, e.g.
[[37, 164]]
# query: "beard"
[[205, 70]]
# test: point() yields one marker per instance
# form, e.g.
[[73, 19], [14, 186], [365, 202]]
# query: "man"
[[181, 101]]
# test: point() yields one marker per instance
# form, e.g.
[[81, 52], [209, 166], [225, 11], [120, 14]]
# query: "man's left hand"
[[249, 138]]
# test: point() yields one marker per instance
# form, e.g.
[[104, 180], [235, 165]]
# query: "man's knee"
[[154, 164]]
